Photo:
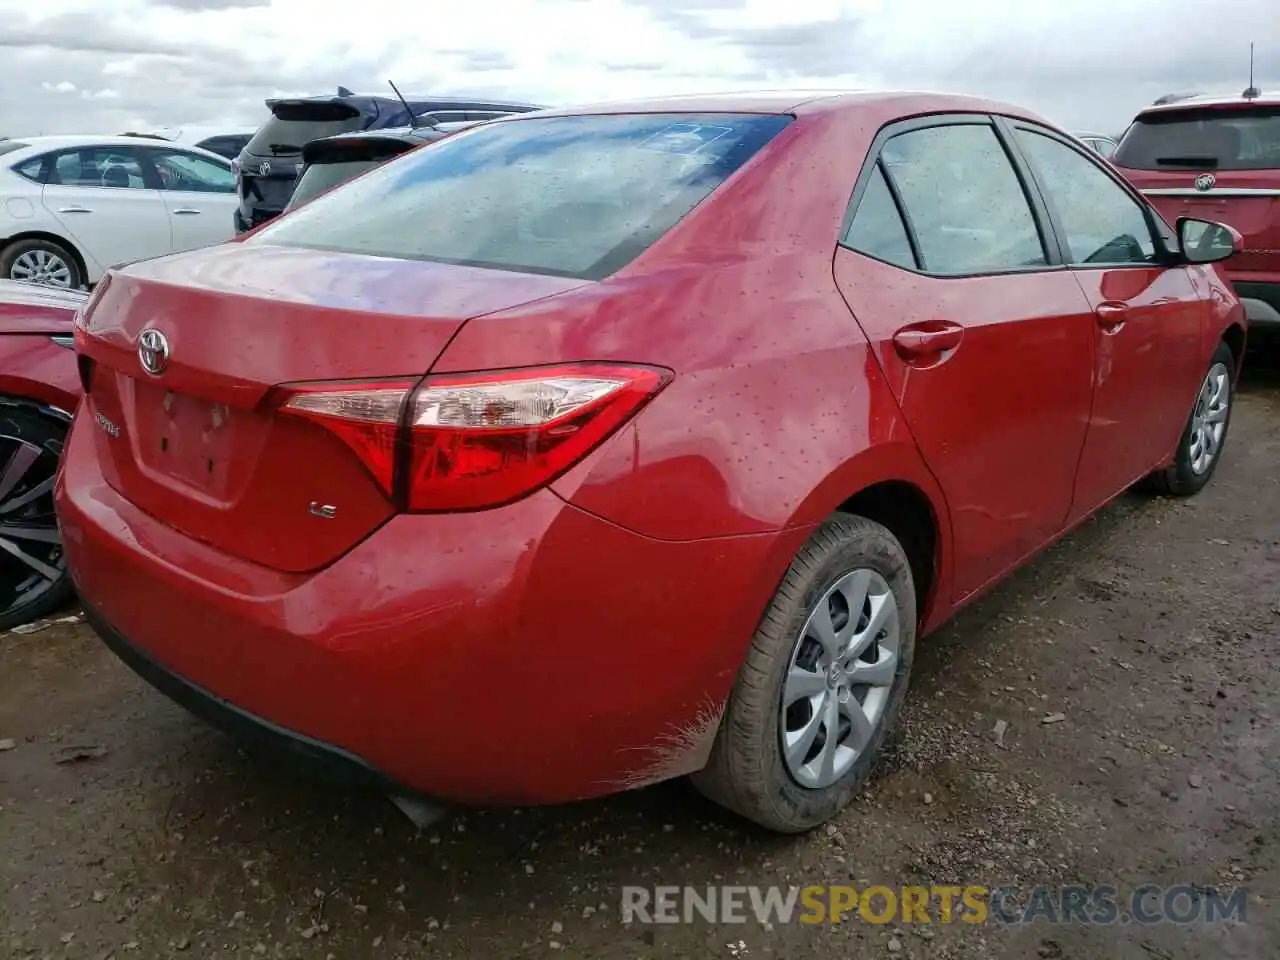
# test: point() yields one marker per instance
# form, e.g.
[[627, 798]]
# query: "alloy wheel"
[[1209, 421], [43, 267], [837, 686], [31, 559]]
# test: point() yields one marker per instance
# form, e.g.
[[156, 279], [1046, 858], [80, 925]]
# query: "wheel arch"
[[890, 484], [1234, 337], [50, 237]]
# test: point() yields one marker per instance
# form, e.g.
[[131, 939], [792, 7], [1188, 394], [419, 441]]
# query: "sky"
[[106, 66]]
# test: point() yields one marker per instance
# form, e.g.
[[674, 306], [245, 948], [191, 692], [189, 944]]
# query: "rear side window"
[[32, 169], [576, 196], [1240, 138], [293, 124], [964, 199], [877, 228]]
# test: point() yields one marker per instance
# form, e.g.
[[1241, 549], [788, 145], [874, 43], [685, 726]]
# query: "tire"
[[1189, 472], [33, 571], [41, 261], [747, 771]]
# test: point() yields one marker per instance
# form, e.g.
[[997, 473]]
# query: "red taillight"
[[470, 441]]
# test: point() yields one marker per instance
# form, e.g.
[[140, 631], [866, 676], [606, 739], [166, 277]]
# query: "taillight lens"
[[471, 441]]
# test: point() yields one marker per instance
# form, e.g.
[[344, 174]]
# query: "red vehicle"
[[591, 448], [39, 389], [1218, 158]]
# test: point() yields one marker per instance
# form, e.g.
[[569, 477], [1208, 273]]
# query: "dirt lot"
[[131, 830]]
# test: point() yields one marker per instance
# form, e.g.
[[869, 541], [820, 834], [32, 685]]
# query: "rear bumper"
[[528, 654], [321, 760], [1261, 302]]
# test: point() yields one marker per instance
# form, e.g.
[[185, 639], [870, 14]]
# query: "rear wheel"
[[33, 572], [1200, 447], [41, 261], [822, 683]]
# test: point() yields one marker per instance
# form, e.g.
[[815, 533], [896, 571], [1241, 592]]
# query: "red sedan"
[[39, 389], [596, 447]]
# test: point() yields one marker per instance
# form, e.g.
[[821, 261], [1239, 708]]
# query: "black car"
[[267, 169], [330, 161]]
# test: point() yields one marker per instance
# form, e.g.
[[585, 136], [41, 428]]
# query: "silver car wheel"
[[842, 670]]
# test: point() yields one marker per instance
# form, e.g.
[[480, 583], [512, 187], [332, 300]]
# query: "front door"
[[1148, 317], [199, 195], [986, 345]]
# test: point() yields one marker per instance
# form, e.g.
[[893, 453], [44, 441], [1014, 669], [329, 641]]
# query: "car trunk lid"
[[1248, 200], [199, 445]]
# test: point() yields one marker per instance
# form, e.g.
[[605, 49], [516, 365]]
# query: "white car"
[[71, 207]]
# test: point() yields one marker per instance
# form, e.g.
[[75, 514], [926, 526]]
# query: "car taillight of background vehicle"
[[472, 441]]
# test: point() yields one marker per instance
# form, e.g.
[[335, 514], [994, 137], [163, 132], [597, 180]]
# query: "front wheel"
[[822, 683], [33, 571], [1200, 447]]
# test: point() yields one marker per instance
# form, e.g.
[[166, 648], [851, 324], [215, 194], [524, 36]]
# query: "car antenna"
[[344, 92], [1252, 92], [413, 120]]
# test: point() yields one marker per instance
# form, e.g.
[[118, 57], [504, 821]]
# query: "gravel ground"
[[131, 830]]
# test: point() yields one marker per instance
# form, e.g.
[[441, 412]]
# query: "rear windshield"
[[289, 128], [8, 146], [1245, 138], [574, 196], [319, 177]]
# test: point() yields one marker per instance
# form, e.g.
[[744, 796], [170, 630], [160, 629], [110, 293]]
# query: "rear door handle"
[[186, 210], [74, 210], [927, 340], [1111, 314]]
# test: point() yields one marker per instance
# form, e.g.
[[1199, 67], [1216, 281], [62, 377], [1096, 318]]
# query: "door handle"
[[1111, 315], [74, 210], [186, 210], [918, 343]]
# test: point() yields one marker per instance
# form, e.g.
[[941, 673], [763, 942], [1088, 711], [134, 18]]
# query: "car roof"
[[45, 144], [413, 98], [1211, 100], [789, 101]]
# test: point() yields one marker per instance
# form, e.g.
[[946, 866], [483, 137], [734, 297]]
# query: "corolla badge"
[[264, 168], [1205, 181], [153, 351]]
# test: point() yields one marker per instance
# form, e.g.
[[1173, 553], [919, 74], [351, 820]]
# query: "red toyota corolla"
[[601, 446]]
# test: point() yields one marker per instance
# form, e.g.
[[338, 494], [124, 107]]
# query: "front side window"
[[577, 196], [186, 171], [115, 167], [1102, 223], [967, 207]]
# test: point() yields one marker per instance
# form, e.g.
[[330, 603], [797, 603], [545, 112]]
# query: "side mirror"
[[1204, 241]]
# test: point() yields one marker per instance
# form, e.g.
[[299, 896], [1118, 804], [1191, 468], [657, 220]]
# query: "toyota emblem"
[[1205, 182], [153, 351], [264, 168]]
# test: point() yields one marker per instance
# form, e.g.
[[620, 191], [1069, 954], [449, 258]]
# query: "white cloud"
[[1086, 63]]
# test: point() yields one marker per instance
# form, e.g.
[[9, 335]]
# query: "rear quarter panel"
[[778, 411]]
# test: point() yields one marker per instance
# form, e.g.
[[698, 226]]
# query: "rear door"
[[985, 341], [1148, 317], [106, 204], [199, 196], [1220, 163]]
